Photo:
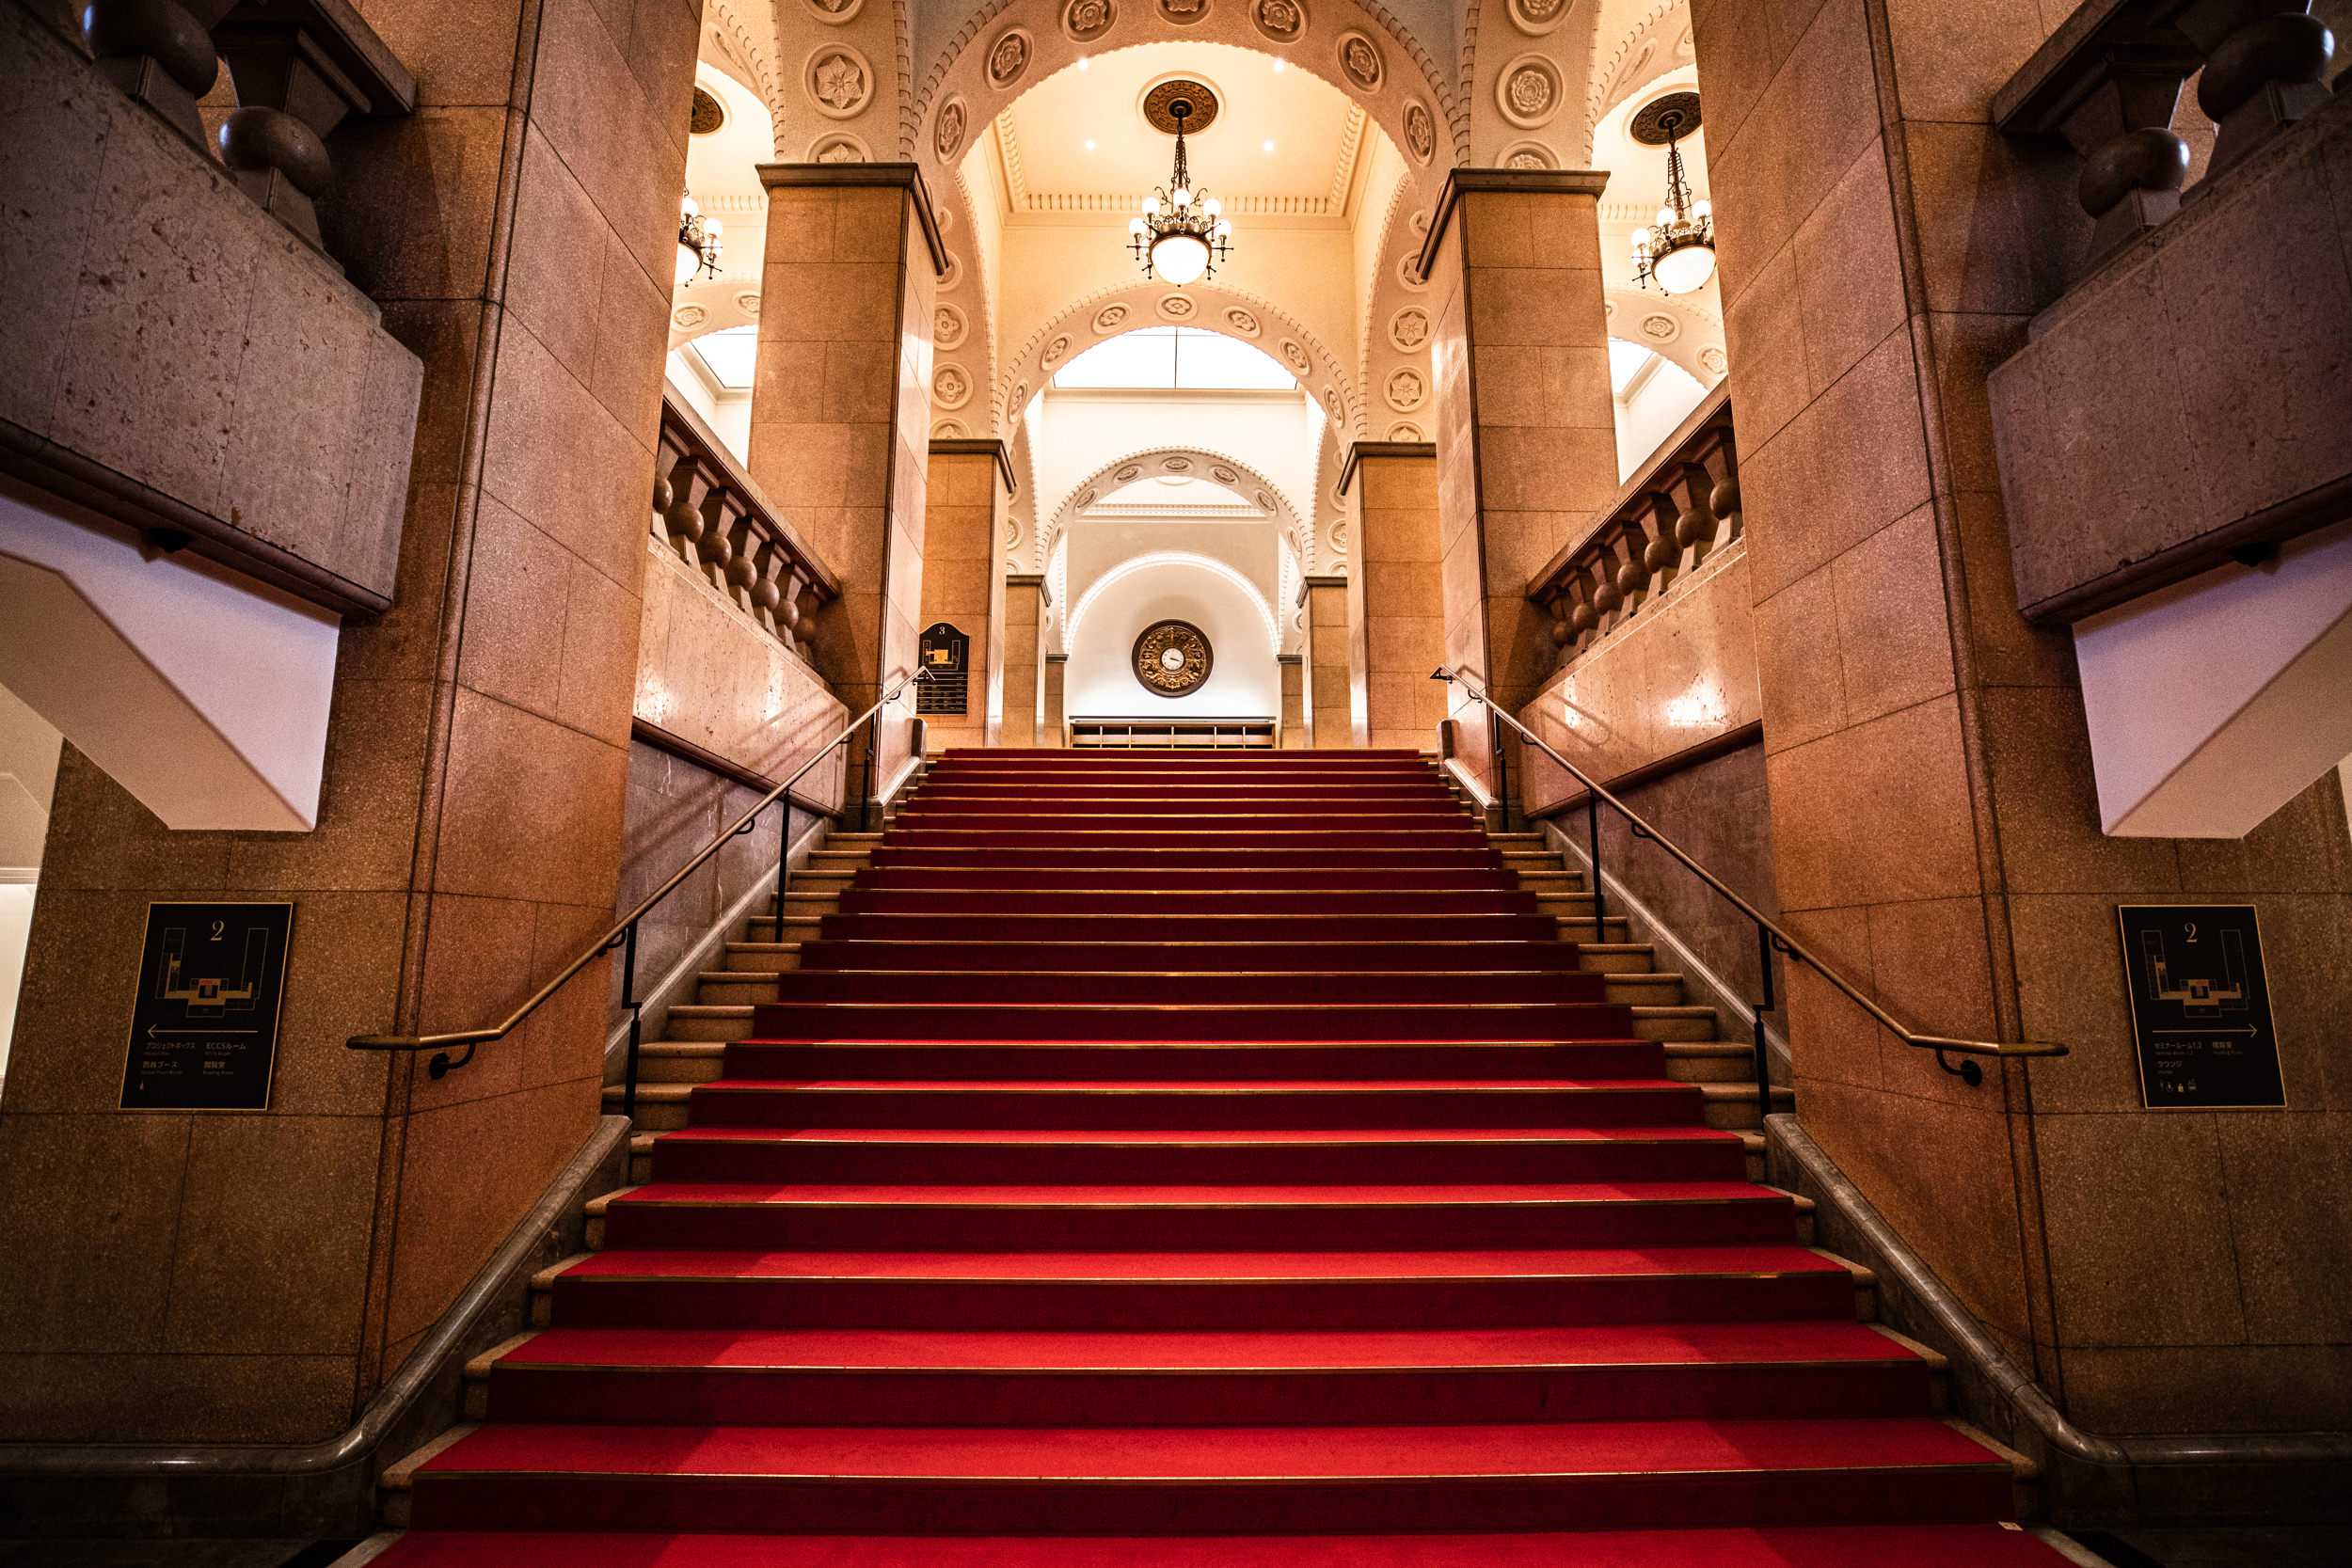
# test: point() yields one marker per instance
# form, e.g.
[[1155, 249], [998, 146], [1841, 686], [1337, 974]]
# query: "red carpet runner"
[[1202, 1160]]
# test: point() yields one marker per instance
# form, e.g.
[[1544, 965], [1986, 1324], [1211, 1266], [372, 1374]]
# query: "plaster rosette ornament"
[[948, 327], [1242, 321], [1007, 58], [1537, 17], [839, 146], [1679, 254], [1107, 318], [1085, 21], [1530, 91], [947, 128], [1280, 21], [1528, 155], [1359, 61], [1421, 132], [1406, 390], [838, 81], [1408, 329], [1180, 235], [950, 386]]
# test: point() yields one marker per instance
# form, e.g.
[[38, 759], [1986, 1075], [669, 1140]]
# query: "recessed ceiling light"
[[1270, 147], [1277, 65], [1082, 62], [1090, 147]]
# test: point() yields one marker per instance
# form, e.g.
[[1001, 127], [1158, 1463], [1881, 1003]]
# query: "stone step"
[[1579, 928], [660, 1107], [762, 932], [734, 986], [1654, 989], [1681, 1025], [1617, 957], [705, 1024], [1710, 1062], [768, 956], [1731, 1107], [675, 1061]]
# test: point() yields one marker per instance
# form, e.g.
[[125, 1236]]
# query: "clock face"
[[1172, 658]]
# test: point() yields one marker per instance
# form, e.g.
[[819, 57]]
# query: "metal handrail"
[[1770, 937], [624, 934]]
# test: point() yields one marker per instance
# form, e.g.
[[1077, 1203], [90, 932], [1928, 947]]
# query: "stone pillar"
[[1527, 433], [1396, 601], [1056, 733], [1023, 721], [841, 414], [252, 1277], [1327, 695], [1293, 719], [1934, 814], [968, 486]]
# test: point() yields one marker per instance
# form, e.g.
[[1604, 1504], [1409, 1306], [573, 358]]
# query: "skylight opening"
[[729, 355], [1624, 362], [1176, 357]]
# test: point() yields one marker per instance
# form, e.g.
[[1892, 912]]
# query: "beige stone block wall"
[[1327, 674], [963, 510], [1398, 585], [1933, 812], [1526, 436], [840, 416], [1024, 722]]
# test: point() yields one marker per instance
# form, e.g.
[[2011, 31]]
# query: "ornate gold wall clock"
[[1172, 658]]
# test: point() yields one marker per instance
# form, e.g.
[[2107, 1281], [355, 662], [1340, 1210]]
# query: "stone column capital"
[[1463, 181], [906, 176]]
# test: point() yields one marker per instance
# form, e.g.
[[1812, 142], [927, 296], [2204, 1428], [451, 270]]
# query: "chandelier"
[[698, 248], [1678, 254], [1179, 233]]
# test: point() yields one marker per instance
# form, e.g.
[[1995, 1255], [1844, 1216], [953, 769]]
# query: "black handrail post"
[[1763, 1063], [1592, 834], [636, 1021]]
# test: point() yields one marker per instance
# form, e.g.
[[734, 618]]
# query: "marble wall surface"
[[964, 509], [708, 674], [1526, 437], [175, 360], [470, 820], [1395, 596], [841, 411], [1675, 678], [1934, 822]]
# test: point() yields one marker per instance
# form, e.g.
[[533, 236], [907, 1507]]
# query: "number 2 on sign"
[[220, 925]]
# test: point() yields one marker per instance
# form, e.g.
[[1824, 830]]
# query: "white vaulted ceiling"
[[1317, 137]]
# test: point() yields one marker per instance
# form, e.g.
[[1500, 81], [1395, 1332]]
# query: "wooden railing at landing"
[[1679, 507]]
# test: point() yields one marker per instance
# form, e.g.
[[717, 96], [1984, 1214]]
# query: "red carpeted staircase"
[[1179, 1159]]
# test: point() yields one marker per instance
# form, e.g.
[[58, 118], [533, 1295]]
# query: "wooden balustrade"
[[1679, 507], [708, 510]]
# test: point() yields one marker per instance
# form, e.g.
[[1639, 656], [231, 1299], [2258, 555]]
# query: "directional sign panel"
[[204, 1028], [2201, 1007]]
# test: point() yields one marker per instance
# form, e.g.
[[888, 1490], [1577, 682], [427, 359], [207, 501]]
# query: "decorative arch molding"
[[1135, 564], [710, 304], [1657, 43], [955, 71], [1077, 320], [748, 29], [1284, 512], [1697, 336]]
